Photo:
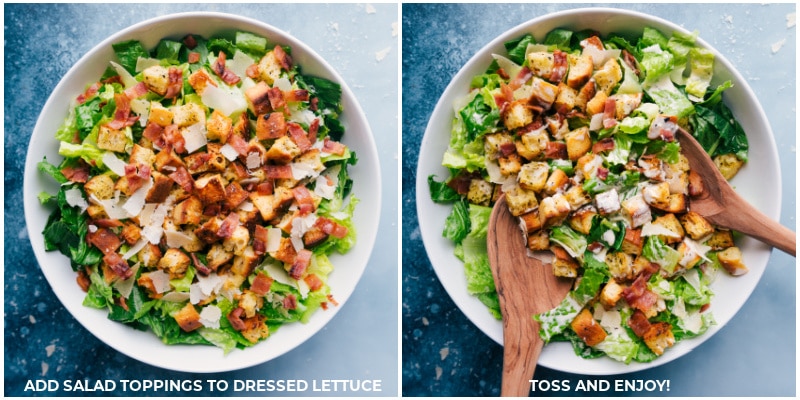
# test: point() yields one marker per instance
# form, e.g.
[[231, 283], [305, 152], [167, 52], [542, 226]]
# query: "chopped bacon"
[[89, 92], [283, 58], [524, 74], [505, 97], [297, 95], [224, 72], [194, 57], [104, 239], [604, 144], [290, 302], [235, 318], [118, 265], [136, 175], [261, 284], [609, 113], [173, 137], [332, 147], [136, 91], [300, 264], [266, 187], [314, 282], [182, 177], [313, 104], [238, 143], [559, 66], [304, 199], [83, 280], [279, 171], [78, 173], [508, 148], [260, 240], [299, 136], [199, 266], [228, 225], [175, 82], [332, 300], [276, 98], [631, 61], [153, 132], [190, 42], [602, 173], [313, 129], [122, 115], [331, 227], [556, 150], [639, 323], [460, 183], [638, 296], [196, 162], [503, 74], [107, 223], [252, 71], [211, 210]]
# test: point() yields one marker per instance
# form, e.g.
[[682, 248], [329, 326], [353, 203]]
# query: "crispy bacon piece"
[[261, 284], [107, 223], [122, 114], [276, 98], [153, 132], [331, 227], [313, 104], [175, 83], [639, 323], [224, 72], [89, 92], [631, 61], [638, 296], [332, 147], [503, 98], [228, 225], [283, 58], [83, 280], [78, 173], [235, 318], [105, 240], [314, 282], [194, 57], [313, 129], [559, 66], [299, 136], [266, 187], [190, 42], [182, 177], [290, 302], [602, 173], [300, 264], [118, 265], [199, 266], [609, 113], [556, 150], [297, 95], [279, 171], [238, 143], [136, 91], [173, 137], [136, 175], [507, 149], [524, 74], [260, 240], [503, 74], [252, 71], [604, 144], [304, 199]]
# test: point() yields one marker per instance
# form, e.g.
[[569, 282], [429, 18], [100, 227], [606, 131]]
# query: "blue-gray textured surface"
[[444, 354], [42, 340]]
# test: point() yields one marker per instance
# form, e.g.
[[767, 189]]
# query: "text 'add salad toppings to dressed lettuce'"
[[578, 132], [204, 185]]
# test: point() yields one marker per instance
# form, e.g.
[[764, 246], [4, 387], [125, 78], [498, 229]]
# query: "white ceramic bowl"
[[759, 182], [145, 346]]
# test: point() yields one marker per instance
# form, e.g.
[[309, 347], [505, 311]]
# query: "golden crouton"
[[480, 192], [149, 255], [210, 189], [189, 211], [696, 226], [611, 293], [633, 242], [517, 115], [493, 142], [100, 186], [580, 70], [269, 68], [620, 265], [533, 175], [585, 94], [566, 99], [219, 126], [531, 144], [188, 318], [199, 79], [286, 252], [720, 239], [539, 240], [156, 78], [217, 257], [544, 93], [578, 143], [728, 164], [689, 257], [159, 114], [659, 337], [563, 265], [111, 139], [250, 302], [530, 222], [608, 76], [587, 328], [142, 156], [670, 222], [162, 186], [283, 150], [581, 220], [731, 260], [256, 328], [577, 197], [188, 114], [175, 263], [131, 233], [658, 196], [556, 182], [237, 241], [520, 200], [554, 209], [510, 164], [597, 103], [541, 63], [258, 99]]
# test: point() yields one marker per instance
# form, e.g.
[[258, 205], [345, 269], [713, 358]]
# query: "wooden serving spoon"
[[525, 286], [722, 206]]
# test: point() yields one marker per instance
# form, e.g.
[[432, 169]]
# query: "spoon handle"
[[519, 360], [752, 222]]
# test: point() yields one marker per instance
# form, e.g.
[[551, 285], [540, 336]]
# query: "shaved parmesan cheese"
[[175, 297], [239, 63], [297, 243], [253, 160], [177, 239], [153, 230], [112, 207], [302, 170], [303, 288], [127, 79], [125, 287], [209, 316], [324, 188], [283, 84], [246, 206], [650, 229], [113, 163], [135, 203], [210, 284], [302, 116], [229, 152], [135, 249], [511, 68], [74, 198], [160, 281], [228, 102], [273, 239], [194, 136], [275, 271], [196, 294], [142, 107], [144, 63]]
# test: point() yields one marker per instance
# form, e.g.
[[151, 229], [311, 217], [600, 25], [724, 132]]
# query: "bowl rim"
[[352, 117], [483, 57]]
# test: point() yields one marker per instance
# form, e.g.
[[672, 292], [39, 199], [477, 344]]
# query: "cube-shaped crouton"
[[728, 164], [111, 139], [597, 103], [131, 233], [554, 209], [658, 196], [587, 328], [265, 204], [208, 231], [731, 260], [696, 226], [199, 79], [237, 241], [566, 99], [286, 252], [626, 103], [586, 93], [243, 265], [156, 78], [720, 239], [100, 186], [269, 68], [219, 126], [581, 220], [530, 221], [197, 163], [96, 211], [611, 293], [517, 115], [520, 200], [689, 256], [149, 255], [255, 328], [638, 210], [314, 237], [142, 156], [188, 114], [556, 182], [271, 126], [162, 187], [480, 192], [588, 165], [217, 256], [493, 144], [541, 63], [188, 212], [607, 202], [607, 77], [159, 114], [533, 175], [188, 318], [652, 167], [659, 337], [565, 267], [620, 265], [544, 93], [580, 70], [510, 164], [578, 143], [633, 242], [175, 262], [250, 302], [695, 184], [531, 144], [167, 158], [283, 150], [258, 98], [671, 223], [210, 189], [539, 240], [577, 197], [557, 125]]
